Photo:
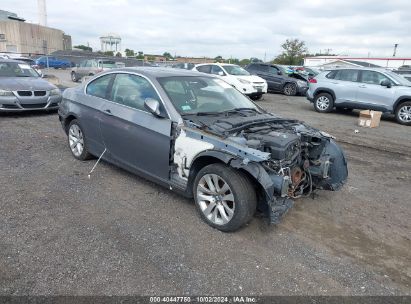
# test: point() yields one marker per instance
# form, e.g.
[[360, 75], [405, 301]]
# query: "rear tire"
[[225, 198], [290, 89], [77, 141], [403, 113], [323, 103]]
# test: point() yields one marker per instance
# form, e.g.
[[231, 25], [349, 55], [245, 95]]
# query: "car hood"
[[25, 83], [223, 125], [251, 78]]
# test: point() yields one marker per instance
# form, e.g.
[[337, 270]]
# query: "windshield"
[[398, 78], [196, 95], [14, 69], [235, 70]]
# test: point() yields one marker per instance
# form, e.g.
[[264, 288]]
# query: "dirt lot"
[[62, 233]]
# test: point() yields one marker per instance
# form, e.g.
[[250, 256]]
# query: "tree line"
[[293, 53]]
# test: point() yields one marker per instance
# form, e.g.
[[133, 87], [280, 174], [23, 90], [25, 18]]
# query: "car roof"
[[362, 68], [216, 63], [158, 72], [10, 60]]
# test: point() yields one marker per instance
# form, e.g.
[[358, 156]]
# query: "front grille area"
[[34, 105], [9, 106], [25, 93], [40, 93]]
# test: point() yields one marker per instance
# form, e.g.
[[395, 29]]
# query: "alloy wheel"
[[289, 90], [215, 198], [404, 114], [323, 103], [76, 140]]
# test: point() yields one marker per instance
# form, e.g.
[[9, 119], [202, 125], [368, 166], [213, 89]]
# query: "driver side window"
[[132, 91], [371, 77]]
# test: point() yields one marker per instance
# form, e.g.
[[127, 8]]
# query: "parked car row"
[[362, 88], [250, 85], [91, 67], [53, 62]]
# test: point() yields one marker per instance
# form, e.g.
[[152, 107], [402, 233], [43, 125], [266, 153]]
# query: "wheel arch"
[[204, 159], [401, 100], [324, 90], [67, 120], [258, 177]]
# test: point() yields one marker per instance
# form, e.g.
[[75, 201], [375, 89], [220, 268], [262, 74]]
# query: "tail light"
[[312, 80]]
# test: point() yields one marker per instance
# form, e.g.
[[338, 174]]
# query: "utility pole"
[[395, 49], [265, 55]]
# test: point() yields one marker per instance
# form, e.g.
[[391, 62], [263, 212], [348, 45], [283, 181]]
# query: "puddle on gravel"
[[394, 262]]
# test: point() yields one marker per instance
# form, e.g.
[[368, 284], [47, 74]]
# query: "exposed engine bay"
[[297, 159]]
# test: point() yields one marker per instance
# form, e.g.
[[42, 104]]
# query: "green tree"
[[245, 61], [293, 53], [140, 55], [109, 53], [151, 58], [219, 59], [129, 53], [83, 47], [167, 55], [254, 59], [118, 54]]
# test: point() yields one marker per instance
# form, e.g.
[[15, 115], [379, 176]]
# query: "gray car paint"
[[142, 143]]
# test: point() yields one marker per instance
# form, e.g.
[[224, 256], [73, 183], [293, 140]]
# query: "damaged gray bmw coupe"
[[199, 136]]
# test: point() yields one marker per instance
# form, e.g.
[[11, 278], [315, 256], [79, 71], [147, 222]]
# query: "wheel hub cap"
[[76, 140], [216, 199], [405, 114], [323, 103]]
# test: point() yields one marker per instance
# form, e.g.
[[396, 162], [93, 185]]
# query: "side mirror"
[[221, 73], [386, 83], [153, 106], [279, 73]]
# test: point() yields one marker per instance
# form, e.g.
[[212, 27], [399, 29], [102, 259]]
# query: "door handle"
[[362, 86], [108, 112]]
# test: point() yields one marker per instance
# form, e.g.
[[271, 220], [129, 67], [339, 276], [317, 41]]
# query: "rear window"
[[331, 75], [204, 69], [108, 64]]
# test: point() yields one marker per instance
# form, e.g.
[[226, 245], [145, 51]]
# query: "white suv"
[[250, 85], [362, 88]]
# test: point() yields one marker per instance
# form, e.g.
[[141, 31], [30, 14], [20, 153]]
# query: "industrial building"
[[345, 61], [18, 36]]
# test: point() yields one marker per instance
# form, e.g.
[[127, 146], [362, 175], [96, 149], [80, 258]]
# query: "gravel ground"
[[118, 234]]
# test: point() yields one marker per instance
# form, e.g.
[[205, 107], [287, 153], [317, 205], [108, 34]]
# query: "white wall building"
[[334, 61]]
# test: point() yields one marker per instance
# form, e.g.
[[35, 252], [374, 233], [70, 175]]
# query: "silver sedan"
[[22, 89]]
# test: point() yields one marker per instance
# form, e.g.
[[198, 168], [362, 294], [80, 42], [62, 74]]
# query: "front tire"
[[290, 89], [77, 141], [257, 97], [323, 103], [74, 77], [224, 197], [403, 113]]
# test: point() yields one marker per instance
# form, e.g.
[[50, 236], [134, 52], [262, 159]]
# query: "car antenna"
[[95, 165]]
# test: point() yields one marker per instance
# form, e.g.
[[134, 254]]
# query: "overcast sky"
[[240, 28]]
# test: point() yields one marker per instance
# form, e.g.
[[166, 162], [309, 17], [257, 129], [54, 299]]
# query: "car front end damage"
[[286, 159]]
